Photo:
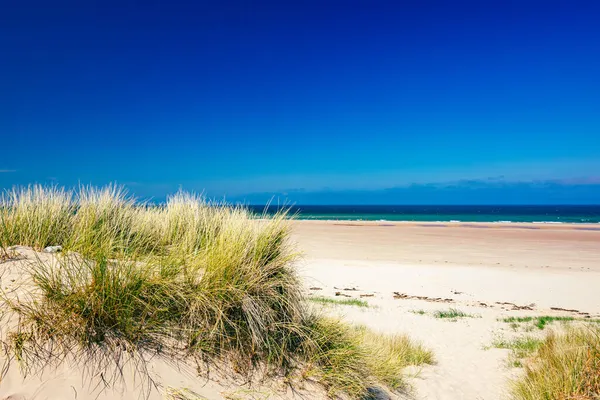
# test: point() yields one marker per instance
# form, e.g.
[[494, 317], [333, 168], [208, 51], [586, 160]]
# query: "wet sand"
[[551, 246]]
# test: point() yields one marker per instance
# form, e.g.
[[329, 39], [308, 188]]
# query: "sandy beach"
[[405, 272], [490, 271]]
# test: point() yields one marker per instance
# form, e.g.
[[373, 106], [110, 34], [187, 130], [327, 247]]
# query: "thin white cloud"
[[6, 171], [485, 174], [514, 172]]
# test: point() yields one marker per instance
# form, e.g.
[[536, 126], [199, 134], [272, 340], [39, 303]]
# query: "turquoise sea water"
[[539, 214]]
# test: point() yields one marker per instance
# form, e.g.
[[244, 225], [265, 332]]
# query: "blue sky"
[[419, 102]]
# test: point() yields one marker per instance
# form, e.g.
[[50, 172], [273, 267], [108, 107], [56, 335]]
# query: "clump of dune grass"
[[565, 366], [352, 359], [342, 302], [452, 313], [390, 354], [36, 216], [189, 279], [238, 297], [109, 222], [204, 278]]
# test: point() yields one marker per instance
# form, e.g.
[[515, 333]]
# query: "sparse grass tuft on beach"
[[542, 321], [342, 302], [187, 279], [452, 313], [521, 347]]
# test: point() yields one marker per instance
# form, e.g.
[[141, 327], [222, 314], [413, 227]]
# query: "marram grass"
[[186, 279], [565, 367], [37, 216], [351, 359]]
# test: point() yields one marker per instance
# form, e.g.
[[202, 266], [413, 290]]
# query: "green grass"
[[540, 322], [518, 319], [521, 347], [543, 321], [452, 313], [418, 312], [342, 302], [565, 366], [206, 281]]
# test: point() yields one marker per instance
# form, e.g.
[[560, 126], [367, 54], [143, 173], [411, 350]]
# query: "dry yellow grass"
[[565, 367]]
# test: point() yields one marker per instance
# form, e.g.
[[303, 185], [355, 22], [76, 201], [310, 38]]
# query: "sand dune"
[[118, 374]]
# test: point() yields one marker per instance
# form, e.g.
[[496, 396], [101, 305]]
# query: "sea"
[[578, 214]]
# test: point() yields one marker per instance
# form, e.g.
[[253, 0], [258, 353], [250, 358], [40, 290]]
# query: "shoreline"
[[464, 224], [522, 247]]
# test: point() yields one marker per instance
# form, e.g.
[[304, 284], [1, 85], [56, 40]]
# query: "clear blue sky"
[[313, 101]]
